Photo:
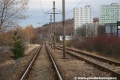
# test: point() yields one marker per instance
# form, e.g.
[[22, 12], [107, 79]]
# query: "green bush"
[[17, 46]]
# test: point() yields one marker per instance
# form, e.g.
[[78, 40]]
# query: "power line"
[[79, 3], [75, 6], [42, 8], [44, 18], [48, 11], [46, 14], [58, 10]]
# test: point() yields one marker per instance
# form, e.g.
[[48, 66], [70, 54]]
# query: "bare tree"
[[11, 11]]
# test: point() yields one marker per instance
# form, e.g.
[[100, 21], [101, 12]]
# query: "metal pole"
[[63, 17], [49, 34], [51, 30], [54, 25]]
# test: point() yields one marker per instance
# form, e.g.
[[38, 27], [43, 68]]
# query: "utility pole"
[[63, 17], [54, 25], [54, 31], [51, 30], [49, 34]]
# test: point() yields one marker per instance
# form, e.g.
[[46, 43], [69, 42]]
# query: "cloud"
[[37, 13]]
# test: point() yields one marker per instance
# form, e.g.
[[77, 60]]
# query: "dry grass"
[[111, 57], [11, 69]]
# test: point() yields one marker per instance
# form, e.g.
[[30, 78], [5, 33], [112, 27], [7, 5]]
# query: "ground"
[[11, 68]]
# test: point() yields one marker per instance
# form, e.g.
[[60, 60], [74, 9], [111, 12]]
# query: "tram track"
[[42, 67], [99, 62]]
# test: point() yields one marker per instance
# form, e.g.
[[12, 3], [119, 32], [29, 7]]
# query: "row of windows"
[[109, 16], [82, 13], [110, 19], [83, 21], [85, 17], [82, 9], [111, 11], [110, 8]]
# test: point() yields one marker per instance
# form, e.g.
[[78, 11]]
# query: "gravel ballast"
[[72, 67], [42, 68]]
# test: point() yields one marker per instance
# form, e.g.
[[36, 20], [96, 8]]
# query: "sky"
[[37, 10]]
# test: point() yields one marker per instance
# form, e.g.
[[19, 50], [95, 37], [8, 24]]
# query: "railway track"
[[42, 67], [99, 62]]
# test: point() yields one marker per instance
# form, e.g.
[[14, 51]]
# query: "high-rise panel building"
[[82, 16], [109, 13]]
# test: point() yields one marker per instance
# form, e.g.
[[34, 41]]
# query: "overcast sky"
[[37, 9]]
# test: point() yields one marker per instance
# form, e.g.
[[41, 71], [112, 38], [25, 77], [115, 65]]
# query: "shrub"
[[17, 46], [69, 43], [103, 44]]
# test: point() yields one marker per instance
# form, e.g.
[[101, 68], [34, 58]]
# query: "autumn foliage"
[[28, 35], [102, 44]]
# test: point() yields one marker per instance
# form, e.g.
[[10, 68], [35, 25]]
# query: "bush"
[[17, 46], [69, 43], [103, 44]]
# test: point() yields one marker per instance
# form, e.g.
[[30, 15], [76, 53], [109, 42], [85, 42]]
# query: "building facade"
[[111, 29], [92, 29], [82, 16], [109, 13]]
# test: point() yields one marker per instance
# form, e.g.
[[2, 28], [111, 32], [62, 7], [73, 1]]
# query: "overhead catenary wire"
[[58, 10], [75, 6], [48, 12], [42, 11], [42, 8]]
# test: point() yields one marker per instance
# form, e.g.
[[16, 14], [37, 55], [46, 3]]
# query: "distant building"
[[109, 13], [92, 29], [82, 16], [95, 20], [118, 28], [111, 28], [66, 38]]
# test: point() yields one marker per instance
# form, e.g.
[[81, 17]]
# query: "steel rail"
[[54, 65], [30, 65], [97, 57], [115, 74]]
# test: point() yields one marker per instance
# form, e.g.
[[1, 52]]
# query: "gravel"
[[72, 67], [104, 64], [11, 69], [42, 68], [4, 49]]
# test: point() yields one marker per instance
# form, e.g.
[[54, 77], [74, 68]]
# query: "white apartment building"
[[109, 13], [82, 16]]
